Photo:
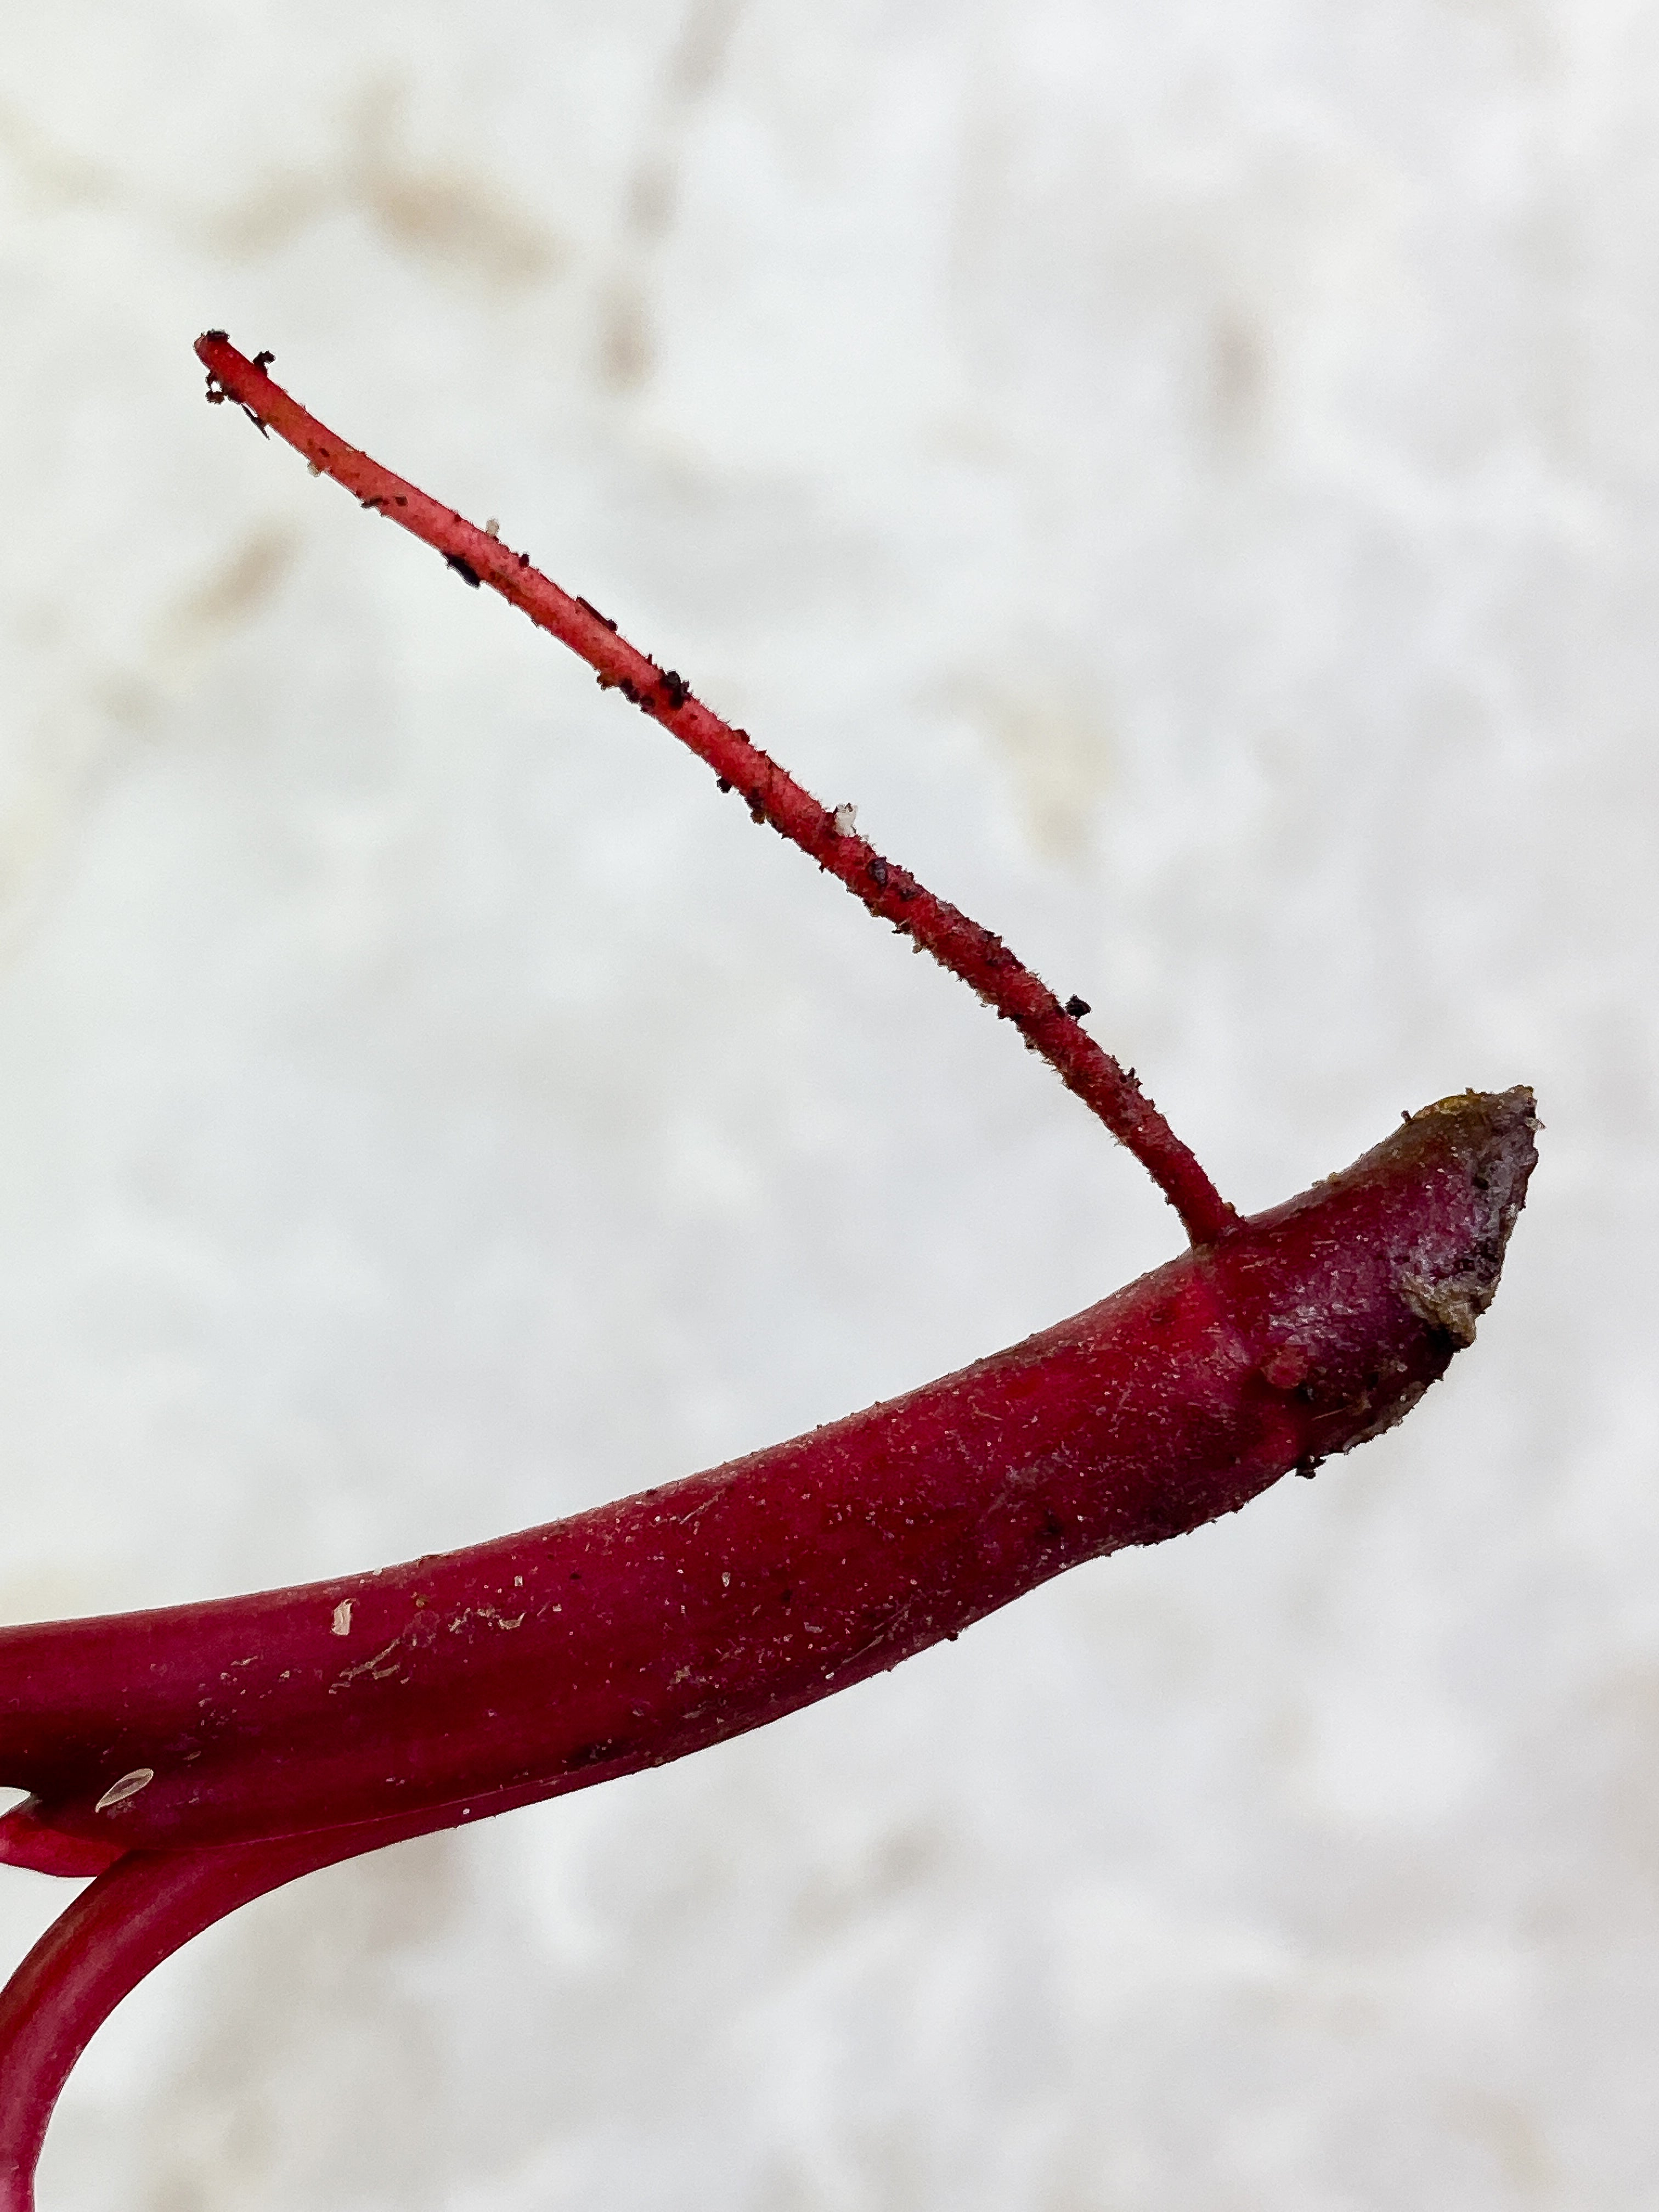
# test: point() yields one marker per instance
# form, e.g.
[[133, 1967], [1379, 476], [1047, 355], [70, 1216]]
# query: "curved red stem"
[[645, 1630], [981, 959], [119, 1928]]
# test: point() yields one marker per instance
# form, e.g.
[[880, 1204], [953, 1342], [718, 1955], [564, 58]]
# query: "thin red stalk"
[[981, 959], [116, 1932], [144, 1906]]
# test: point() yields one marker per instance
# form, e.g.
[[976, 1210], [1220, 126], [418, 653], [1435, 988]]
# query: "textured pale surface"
[[1188, 474]]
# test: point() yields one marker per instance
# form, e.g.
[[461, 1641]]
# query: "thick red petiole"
[[981, 960], [644, 1630]]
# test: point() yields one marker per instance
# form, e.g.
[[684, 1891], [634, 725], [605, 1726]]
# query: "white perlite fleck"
[[341, 1624], [128, 1786]]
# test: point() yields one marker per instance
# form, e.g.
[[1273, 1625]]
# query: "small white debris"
[[316, 467], [128, 1786], [492, 528], [846, 815], [342, 1618], [725, 1582]]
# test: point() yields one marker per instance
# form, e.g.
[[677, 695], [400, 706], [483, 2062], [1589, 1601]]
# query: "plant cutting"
[[192, 1758]]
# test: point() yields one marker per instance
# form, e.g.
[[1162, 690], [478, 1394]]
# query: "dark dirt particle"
[[463, 569], [1077, 1007], [675, 688], [594, 1754], [264, 360]]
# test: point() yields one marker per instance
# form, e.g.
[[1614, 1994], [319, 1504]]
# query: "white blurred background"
[[1189, 474]]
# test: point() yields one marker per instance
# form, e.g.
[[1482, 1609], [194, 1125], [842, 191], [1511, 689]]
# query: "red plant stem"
[[144, 1906], [721, 1603], [295, 1728], [641, 1631], [114, 1934], [981, 960]]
